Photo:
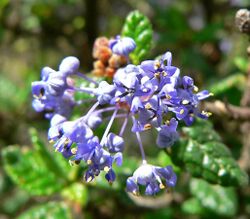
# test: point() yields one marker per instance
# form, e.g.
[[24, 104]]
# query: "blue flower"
[[122, 45], [105, 92], [149, 93], [69, 132], [69, 65], [159, 71], [167, 134], [114, 143], [154, 178]]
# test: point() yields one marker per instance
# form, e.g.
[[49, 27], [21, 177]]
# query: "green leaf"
[[12, 203], [36, 170], [192, 206], [138, 27], [223, 85], [29, 171], [241, 63], [76, 192], [218, 199], [49, 210], [55, 162], [203, 155], [11, 95]]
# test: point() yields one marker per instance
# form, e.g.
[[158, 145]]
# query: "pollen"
[[162, 186], [196, 89], [73, 150], [185, 102], [145, 90], [148, 106], [89, 179], [157, 64], [157, 75], [147, 126], [182, 111], [89, 161], [106, 169], [168, 96], [206, 113], [164, 73]]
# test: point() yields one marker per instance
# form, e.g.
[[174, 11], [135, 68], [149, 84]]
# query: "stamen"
[[145, 90], [157, 75], [147, 126], [168, 96], [106, 169], [157, 64], [206, 113], [167, 122], [73, 150], [89, 161], [89, 179], [164, 73], [148, 106], [182, 111], [196, 89], [185, 102], [162, 186]]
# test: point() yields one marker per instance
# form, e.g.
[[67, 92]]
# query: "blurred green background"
[[205, 44]]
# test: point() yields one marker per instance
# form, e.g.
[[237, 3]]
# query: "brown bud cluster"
[[106, 62]]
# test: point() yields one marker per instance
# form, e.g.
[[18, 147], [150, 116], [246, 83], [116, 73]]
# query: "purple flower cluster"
[[152, 94]]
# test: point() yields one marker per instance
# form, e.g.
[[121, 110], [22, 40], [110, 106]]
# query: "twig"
[[224, 109]]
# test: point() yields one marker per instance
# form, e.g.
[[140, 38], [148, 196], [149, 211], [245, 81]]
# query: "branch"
[[223, 109]]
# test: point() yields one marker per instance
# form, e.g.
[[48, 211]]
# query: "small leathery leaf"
[[138, 27]]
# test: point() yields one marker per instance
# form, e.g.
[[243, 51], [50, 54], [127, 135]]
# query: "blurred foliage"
[[36, 182]]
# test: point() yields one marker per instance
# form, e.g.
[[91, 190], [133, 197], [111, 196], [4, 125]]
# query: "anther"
[[168, 96], [89, 179], [148, 106], [157, 64], [196, 89], [147, 126], [162, 186], [185, 102], [106, 169], [182, 111], [73, 150], [157, 75]]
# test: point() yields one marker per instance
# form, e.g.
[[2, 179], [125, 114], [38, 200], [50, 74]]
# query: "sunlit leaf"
[[48, 210], [138, 27]]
